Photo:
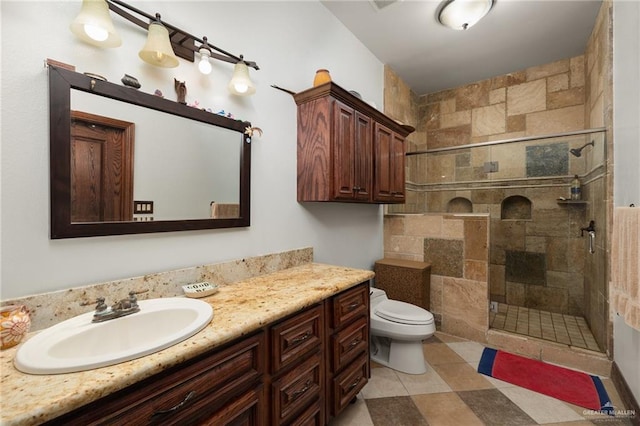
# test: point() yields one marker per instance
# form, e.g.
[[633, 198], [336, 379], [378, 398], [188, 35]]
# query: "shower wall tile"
[[527, 97], [565, 98], [516, 123], [453, 227], [489, 120], [476, 237], [455, 119], [546, 70], [464, 313], [555, 121], [497, 282], [476, 270], [558, 82], [509, 79], [497, 96], [577, 71], [446, 137], [473, 95], [445, 256]]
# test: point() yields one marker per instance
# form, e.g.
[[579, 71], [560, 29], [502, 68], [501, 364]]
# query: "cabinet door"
[[344, 151], [352, 163], [389, 165], [363, 163]]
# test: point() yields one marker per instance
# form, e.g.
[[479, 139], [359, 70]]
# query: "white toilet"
[[397, 332]]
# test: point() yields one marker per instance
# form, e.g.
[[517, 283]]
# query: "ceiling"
[[429, 57]]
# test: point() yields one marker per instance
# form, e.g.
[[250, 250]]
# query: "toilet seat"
[[404, 313]]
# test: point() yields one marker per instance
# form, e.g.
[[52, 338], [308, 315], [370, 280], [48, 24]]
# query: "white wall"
[[626, 122], [288, 40]]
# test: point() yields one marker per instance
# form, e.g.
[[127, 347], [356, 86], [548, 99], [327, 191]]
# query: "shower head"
[[578, 151]]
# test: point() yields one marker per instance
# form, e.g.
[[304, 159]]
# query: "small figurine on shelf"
[[181, 90], [221, 112], [196, 105], [131, 81], [158, 93]]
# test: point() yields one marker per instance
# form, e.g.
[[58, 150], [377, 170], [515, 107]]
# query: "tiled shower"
[[543, 261]]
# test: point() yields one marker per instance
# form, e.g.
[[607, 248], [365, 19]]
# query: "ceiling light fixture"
[[463, 14]]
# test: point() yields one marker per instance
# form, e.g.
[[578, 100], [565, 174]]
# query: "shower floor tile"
[[560, 328]]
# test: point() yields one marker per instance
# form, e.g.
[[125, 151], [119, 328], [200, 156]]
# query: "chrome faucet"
[[119, 309]]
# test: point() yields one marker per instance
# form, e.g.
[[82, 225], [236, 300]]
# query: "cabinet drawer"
[[247, 409], [347, 384], [350, 304], [312, 416], [349, 343], [295, 337], [182, 392], [296, 389]]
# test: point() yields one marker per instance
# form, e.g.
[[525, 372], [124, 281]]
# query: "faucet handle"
[[99, 302], [132, 295]]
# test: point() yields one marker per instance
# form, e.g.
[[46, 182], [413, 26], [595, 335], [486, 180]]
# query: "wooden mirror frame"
[[61, 82]]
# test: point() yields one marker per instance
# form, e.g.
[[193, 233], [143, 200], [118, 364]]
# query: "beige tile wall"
[[460, 302]]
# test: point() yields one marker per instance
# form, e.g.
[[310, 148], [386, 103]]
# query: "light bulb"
[[204, 65], [241, 88], [95, 32]]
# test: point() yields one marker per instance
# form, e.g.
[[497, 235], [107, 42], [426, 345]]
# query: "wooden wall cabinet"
[[347, 150], [301, 370]]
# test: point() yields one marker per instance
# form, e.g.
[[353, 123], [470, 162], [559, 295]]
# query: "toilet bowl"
[[397, 332]]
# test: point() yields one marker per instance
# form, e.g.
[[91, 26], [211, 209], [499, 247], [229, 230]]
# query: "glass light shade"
[[240, 83], [204, 65], [463, 14], [157, 50], [93, 25]]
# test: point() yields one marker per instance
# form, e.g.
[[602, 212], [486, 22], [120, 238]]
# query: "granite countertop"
[[238, 309]]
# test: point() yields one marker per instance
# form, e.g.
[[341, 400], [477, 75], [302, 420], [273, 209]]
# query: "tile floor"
[[559, 328], [453, 393]]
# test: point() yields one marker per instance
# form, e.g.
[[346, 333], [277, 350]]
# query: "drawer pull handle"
[[297, 394], [354, 343], [352, 306], [301, 339], [175, 407], [354, 384]]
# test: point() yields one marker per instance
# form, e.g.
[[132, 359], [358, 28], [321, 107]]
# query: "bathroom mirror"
[[125, 162]]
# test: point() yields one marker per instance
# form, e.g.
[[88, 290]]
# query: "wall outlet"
[[493, 307]]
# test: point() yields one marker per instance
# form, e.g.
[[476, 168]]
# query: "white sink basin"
[[77, 344]]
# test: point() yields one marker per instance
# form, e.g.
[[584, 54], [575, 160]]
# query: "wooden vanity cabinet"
[[297, 367], [223, 386], [347, 150], [298, 371], [348, 367]]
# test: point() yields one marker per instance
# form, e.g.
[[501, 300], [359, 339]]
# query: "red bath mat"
[[558, 382]]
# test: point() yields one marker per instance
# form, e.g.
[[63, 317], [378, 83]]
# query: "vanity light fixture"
[[157, 50], [241, 83], [93, 25], [463, 14], [205, 54], [164, 42]]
